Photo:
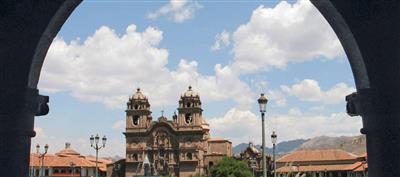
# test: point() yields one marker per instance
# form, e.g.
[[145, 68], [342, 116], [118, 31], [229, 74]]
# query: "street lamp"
[[41, 157], [274, 138], [262, 101], [253, 164], [72, 165], [94, 143]]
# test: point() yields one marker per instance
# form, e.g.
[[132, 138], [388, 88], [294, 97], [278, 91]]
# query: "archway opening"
[[289, 88]]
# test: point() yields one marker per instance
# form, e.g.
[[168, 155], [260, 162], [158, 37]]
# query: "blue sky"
[[230, 51]]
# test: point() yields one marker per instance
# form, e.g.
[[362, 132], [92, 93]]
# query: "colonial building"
[[322, 163], [180, 146], [253, 157], [66, 163]]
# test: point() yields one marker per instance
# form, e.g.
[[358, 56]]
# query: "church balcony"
[[191, 129], [189, 161], [138, 112], [190, 110]]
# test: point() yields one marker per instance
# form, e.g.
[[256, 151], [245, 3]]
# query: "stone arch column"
[[27, 28], [369, 33]]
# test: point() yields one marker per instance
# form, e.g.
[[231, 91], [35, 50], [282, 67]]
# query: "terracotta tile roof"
[[363, 155], [343, 167], [68, 151], [355, 165], [102, 162], [317, 155], [64, 161], [61, 161], [361, 168]]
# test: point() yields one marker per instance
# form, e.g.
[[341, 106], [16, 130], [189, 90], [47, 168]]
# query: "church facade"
[[180, 146]]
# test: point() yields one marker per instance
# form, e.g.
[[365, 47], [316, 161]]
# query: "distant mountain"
[[353, 144], [281, 148], [287, 146], [240, 147]]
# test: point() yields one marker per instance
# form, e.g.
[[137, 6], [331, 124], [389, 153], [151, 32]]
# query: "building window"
[[135, 157], [162, 151], [189, 156], [188, 105], [136, 107], [188, 118], [135, 120]]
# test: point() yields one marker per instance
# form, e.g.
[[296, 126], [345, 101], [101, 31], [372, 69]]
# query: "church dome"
[[139, 95], [190, 93], [68, 151]]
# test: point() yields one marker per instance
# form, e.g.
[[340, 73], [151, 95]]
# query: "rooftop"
[[317, 155], [65, 157]]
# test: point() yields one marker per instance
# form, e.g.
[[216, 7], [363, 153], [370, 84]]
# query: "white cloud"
[[179, 10], [221, 39], [295, 112], [236, 125], [287, 33], [309, 90], [277, 97], [225, 85], [107, 68], [292, 125], [119, 125]]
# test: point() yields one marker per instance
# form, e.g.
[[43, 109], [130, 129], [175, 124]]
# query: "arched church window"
[[136, 106], [162, 151], [188, 118], [189, 156], [188, 105], [135, 120]]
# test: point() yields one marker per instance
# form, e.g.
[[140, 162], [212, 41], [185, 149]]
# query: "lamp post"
[[253, 164], [274, 138], [94, 143], [41, 157], [72, 165], [262, 101]]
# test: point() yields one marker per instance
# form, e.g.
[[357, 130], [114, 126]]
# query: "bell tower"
[[138, 111], [189, 110]]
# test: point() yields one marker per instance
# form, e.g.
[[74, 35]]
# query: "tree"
[[229, 167], [197, 175]]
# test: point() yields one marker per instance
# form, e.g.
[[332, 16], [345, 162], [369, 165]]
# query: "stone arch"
[[346, 38], [326, 8], [54, 25], [20, 90]]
